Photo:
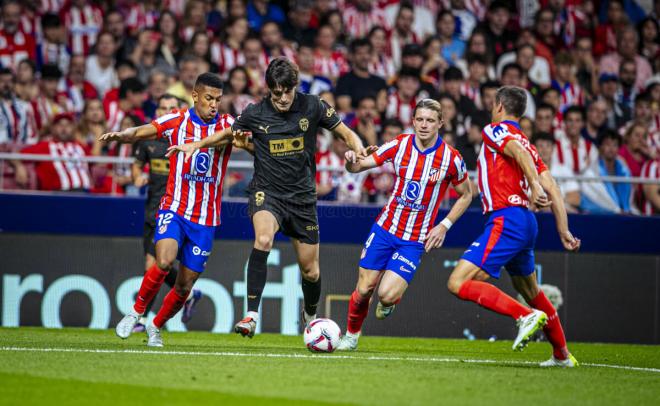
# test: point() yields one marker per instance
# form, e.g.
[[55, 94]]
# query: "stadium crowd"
[[74, 69]]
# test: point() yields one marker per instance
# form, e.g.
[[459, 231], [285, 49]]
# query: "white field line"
[[309, 356]]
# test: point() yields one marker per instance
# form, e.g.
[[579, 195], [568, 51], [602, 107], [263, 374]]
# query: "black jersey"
[[285, 145], [152, 152]]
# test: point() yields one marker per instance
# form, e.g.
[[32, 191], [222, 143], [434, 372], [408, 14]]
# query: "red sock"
[[490, 297], [171, 305], [151, 284], [358, 307], [553, 330]]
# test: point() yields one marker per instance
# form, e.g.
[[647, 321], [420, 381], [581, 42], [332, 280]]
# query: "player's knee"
[[165, 263], [388, 298], [454, 285], [182, 289], [365, 289], [310, 272], [263, 242]]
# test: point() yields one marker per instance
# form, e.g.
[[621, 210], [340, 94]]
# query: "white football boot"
[[348, 342], [125, 326], [527, 326], [383, 311], [154, 338], [569, 362]]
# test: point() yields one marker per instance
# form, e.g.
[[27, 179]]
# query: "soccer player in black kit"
[[283, 189], [152, 152]]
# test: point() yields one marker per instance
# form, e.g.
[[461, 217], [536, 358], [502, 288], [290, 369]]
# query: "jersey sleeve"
[[166, 123], [386, 152], [328, 116], [496, 136], [245, 122], [140, 152], [459, 171]]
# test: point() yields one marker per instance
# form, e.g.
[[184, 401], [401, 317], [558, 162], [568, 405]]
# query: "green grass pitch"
[[92, 368]]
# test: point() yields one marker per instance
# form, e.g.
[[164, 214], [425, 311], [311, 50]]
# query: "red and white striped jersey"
[[330, 67], [139, 18], [421, 181], [226, 58], [327, 159], [194, 188], [82, 26], [472, 93], [58, 54], [44, 108], [501, 180], [650, 170], [61, 175], [358, 23], [571, 95], [51, 6], [17, 124], [383, 66], [400, 109], [578, 157], [16, 47]]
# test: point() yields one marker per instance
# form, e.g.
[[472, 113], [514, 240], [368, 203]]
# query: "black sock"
[[311, 293], [256, 278], [170, 279]]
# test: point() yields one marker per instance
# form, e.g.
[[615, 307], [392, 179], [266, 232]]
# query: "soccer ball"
[[322, 335]]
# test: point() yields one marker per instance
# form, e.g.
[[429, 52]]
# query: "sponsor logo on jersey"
[[199, 178], [434, 175], [403, 259], [415, 206], [202, 162], [264, 129], [312, 228], [160, 166], [515, 199], [198, 251], [412, 190], [287, 146], [162, 229], [259, 198], [402, 269], [304, 124]]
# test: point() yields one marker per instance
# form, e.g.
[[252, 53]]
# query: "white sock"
[[142, 320], [353, 335], [190, 295], [253, 315]]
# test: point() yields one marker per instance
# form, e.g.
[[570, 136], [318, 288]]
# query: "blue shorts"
[[195, 241], [384, 251], [508, 241]]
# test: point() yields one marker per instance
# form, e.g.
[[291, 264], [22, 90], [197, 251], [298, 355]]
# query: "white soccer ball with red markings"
[[322, 335]]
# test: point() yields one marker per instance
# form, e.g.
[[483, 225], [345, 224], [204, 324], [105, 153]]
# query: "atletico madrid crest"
[[434, 175]]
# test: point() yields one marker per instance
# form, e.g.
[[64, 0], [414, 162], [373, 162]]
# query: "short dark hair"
[[609, 134], [513, 65], [50, 20], [134, 85], [479, 119], [409, 72], [367, 97], [6, 71], [282, 72], [392, 122], [489, 84], [208, 79], [497, 5], [359, 43], [126, 62], [574, 110], [548, 90], [51, 71], [542, 136], [644, 97], [513, 98], [478, 58], [168, 96], [453, 73], [546, 106]]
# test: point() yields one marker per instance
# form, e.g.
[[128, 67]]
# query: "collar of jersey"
[[426, 151], [513, 123], [197, 120]]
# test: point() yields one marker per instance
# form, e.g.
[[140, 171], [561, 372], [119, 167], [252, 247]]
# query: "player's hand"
[[188, 149], [539, 197], [351, 157], [570, 243], [141, 180], [240, 139], [435, 238], [116, 135], [365, 152]]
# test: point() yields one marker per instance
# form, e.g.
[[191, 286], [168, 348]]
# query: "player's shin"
[[256, 278], [358, 307], [492, 298], [553, 330], [311, 294], [151, 283], [172, 303]]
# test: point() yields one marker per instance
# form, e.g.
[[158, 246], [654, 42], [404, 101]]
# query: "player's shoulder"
[[172, 115], [225, 120]]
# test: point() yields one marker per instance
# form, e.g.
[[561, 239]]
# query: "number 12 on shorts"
[[165, 219]]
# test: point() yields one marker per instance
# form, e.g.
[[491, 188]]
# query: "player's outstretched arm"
[[437, 234], [515, 150], [143, 132], [242, 141], [355, 164], [351, 139], [559, 210], [220, 138]]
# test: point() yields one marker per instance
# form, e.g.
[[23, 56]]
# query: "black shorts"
[[296, 220], [148, 238]]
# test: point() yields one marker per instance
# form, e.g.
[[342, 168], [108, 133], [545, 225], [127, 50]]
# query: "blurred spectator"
[[547, 43], [359, 83], [477, 44], [433, 64], [536, 70], [361, 15], [52, 48], [452, 126], [328, 61], [572, 149], [237, 91], [114, 23], [273, 42], [76, 86], [605, 36], [570, 190], [27, 86], [512, 75], [565, 82], [310, 82], [643, 114], [366, 121], [131, 97], [543, 120], [16, 44], [69, 175], [587, 75], [381, 63], [335, 20], [453, 84], [476, 74], [618, 113], [650, 194], [627, 91], [635, 151], [146, 55], [552, 97], [297, 28], [256, 65], [380, 180], [260, 11], [17, 125], [50, 101], [619, 195], [402, 101], [189, 69], [470, 145], [596, 119], [453, 47], [194, 20], [91, 126], [649, 38], [487, 92], [100, 67], [465, 20], [527, 126], [83, 21], [627, 46], [228, 53], [171, 42], [402, 33], [499, 38], [200, 47], [142, 15]]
